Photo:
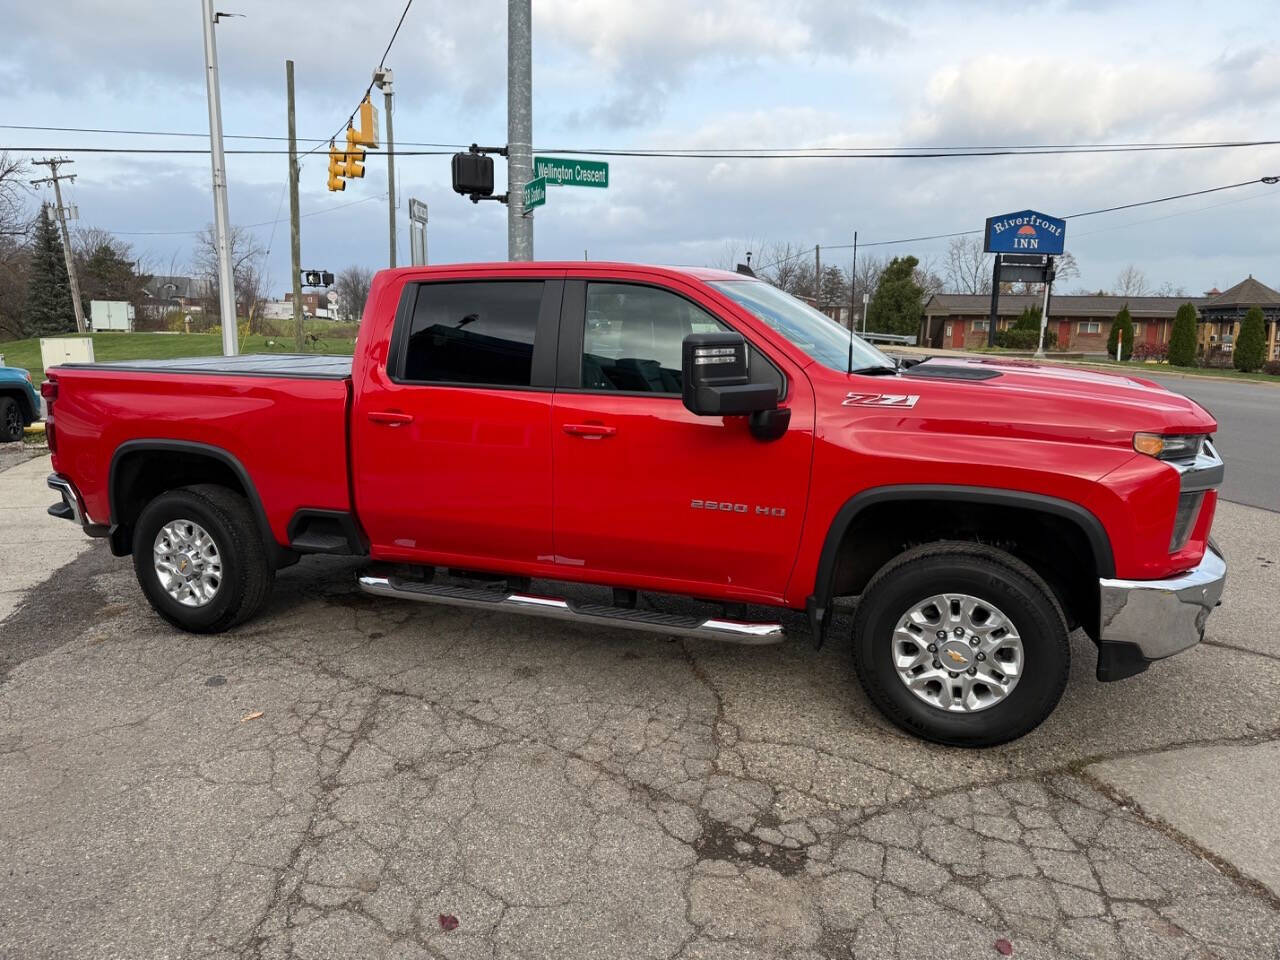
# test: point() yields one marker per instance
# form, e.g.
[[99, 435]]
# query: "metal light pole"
[[519, 127], [221, 221], [384, 80]]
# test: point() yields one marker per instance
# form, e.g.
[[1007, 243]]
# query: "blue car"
[[19, 403]]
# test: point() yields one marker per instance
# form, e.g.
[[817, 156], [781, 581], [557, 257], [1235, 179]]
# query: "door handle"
[[589, 430], [390, 418]]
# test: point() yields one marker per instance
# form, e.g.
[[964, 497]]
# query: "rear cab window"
[[497, 333]]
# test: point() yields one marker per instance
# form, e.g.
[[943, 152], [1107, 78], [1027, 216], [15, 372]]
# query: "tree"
[[1251, 346], [15, 254], [1132, 282], [1182, 339], [48, 309], [835, 288], [928, 280], [352, 286], [247, 263], [896, 306], [106, 267], [1122, 331], [967, 267], [788, 267]]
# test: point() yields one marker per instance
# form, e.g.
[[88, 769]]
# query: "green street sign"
[[571, 173], [535, 193]]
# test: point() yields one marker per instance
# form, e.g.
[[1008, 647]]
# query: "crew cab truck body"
[[674, 431]]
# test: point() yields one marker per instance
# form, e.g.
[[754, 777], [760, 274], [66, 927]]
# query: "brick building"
[[1082, 323]]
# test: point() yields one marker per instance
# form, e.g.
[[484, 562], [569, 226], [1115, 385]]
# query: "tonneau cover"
[[307, 366]]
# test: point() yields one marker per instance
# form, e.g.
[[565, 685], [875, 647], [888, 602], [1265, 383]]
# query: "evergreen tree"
[[1182, 339], [1251, 346], [1121, 329], [48, 309], [897, 305]]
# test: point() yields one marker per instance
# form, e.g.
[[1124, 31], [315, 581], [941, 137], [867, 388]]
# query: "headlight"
[[1169, 446]]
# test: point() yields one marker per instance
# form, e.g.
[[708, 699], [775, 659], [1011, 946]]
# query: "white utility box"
[[56, 350]]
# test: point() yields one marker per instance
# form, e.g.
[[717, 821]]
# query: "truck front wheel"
[[200, 559], [962, 644]]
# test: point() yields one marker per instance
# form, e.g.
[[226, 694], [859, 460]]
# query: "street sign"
[[417, 210], [560, 172], [1025, 232], [535, 193]]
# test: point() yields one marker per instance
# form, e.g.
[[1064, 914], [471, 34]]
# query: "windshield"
[[816, 334]]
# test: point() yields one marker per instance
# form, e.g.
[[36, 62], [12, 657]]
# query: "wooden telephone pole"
[[55, 178]]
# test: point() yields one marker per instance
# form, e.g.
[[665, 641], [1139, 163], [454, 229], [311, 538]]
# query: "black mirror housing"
[[716, 380]]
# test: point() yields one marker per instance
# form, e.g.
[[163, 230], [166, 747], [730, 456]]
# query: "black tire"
[[10, 420], [991, 575], [246, 573]]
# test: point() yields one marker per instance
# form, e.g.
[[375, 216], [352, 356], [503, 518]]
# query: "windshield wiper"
[[876, 371]]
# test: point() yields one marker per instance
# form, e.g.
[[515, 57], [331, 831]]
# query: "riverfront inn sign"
[[1025, 232]]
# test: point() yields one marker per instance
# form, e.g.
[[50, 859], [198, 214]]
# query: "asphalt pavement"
[[1248, 416], [345, 777]]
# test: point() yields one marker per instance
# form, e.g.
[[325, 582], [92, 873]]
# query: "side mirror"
[[717, 383], [715, 378]]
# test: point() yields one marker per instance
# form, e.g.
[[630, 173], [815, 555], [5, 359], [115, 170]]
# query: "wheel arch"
[[841, 572], [130, 485]]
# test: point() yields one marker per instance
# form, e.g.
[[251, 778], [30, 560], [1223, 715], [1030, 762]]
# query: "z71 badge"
[[880, 400]]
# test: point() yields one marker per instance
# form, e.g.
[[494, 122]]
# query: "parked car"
[[19, 403], [670, 431]]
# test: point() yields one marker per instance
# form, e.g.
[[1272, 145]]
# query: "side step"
[[672, 624]]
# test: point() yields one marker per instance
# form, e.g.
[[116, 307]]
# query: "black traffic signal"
[[473, 174]]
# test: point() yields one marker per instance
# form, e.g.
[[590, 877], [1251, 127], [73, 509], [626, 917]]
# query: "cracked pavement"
[[570, 792]]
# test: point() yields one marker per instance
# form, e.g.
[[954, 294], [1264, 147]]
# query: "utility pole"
[[295, 231], [817, 276], [383, 78], [53, 163], [519, 127], [221, 219]]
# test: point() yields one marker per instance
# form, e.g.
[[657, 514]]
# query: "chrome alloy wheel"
[[957, 653], [187, 563]]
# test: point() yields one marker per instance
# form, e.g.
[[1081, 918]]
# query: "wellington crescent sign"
[[560, 172]]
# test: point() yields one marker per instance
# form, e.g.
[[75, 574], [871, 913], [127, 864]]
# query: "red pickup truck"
[[658, 431]]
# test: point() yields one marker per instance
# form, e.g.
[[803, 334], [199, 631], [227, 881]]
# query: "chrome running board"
[[601, 615]]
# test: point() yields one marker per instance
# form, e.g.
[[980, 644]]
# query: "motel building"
[[1082, 323]]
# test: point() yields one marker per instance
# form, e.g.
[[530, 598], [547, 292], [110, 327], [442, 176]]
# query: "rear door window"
[[473, 332]]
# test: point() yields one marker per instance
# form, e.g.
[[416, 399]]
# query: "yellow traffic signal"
[[367, 134], [354, 167], [336, 167]]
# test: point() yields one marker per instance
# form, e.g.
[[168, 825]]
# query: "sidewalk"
[[32, 544]]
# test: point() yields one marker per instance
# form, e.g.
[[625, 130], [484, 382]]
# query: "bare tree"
[[248, 260], [1065, 267], [966, 266], [1132, 282], [15, 227], [734, 252], [927, 278], [869, 270], [788, 267], [352, 286], [1168, 289]]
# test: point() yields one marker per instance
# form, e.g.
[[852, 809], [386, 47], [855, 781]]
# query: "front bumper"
[[1145, 620]]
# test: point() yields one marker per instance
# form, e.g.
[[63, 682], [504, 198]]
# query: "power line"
[[1072, 216], [740, 152], [246, 226], [194, 151]]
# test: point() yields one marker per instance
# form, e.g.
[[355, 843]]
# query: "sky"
[[662, 74]]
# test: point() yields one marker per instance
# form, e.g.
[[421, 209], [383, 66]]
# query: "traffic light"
[[367, 133], [354, 167], [336, 168]]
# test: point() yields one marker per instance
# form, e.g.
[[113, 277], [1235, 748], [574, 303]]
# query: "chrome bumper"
[[1163, 617], [72, 507]]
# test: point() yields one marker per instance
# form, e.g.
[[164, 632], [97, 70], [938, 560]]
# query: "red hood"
[[1037, 401]]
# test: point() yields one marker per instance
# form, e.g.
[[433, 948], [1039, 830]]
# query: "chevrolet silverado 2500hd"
[[669, 431]]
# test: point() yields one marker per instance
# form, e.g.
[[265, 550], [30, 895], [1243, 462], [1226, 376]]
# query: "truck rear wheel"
[[961, 644], [200, 558]]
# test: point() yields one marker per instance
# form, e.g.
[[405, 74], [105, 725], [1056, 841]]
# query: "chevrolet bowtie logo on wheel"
[[957, 657]]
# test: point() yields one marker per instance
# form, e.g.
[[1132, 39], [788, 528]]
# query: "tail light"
[[49, 390]]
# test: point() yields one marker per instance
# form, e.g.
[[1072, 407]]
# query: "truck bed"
[[291, 365]]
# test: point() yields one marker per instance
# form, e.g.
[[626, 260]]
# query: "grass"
[[164, 346]]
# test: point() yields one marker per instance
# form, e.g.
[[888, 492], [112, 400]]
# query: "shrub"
[[1122, 333], [1157, 352], [1018, 339], [1251, 346], [1182, 340]]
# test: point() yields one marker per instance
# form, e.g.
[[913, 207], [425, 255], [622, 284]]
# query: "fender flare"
[[818, 604], [280, 555]]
